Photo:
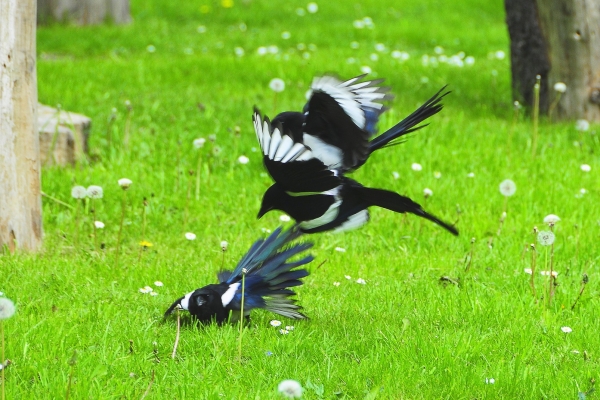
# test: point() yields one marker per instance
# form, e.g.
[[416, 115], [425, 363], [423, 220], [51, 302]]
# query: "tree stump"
[[84, 12], [63, 136]]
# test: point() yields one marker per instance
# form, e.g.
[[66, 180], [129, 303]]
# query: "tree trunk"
[[560, 41], [20, 195], [84, 12]]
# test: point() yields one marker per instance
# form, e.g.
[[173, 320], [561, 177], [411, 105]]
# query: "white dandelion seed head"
[[284, 218], [224, 245], [500, 55], [158, 284], [125, 183], [336, 284], [582, 125], [528, 271], [395, 174], [275, 323], [290, 388], [566, 329], [7, 308], [361, 281], [508, 187], [99, 224], [243, 160], [560, 87], [95, 192], [146, 289], [312, 8], [340, 249], [427, 192], [79, 192], [551, 219], [199, 143], [190, 236], [545, 238], [586, 167], [277, 85], [416, 167]]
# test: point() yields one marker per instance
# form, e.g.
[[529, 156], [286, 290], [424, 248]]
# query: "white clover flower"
[[365, 69], [508, 187], [551, 219], [490, 381], [336, 284], [284, 218], [471, 175], [395, 174], [99, 224], [243, 160], [275, 323], [586, 167], [347, 277], [224, 245], [284, 331], [427, 192], [340, 249], [560, 87], [290, 389], [528, 271], [361, 281], [199, 143], [437, 174], [277, 85], [7, 308], [582, 125], [158, 283], [125, 183], [190, 236], [312, 8], [416, 167], [95, 192], [79, 192], [547, 273], [545, 238], [566, 329], [290, 327]]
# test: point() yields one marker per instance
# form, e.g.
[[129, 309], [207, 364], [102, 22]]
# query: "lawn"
[[437, 317]]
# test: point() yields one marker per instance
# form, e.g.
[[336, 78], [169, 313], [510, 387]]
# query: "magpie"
[[269, 275], [308, 154]]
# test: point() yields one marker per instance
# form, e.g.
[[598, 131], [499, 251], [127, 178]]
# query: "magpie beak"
[[269, 275], [309, 153]]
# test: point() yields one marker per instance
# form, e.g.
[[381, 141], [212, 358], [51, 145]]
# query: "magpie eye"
[[200, 301]]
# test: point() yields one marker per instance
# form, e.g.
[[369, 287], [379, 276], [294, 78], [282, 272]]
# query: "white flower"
[[361, 281], [99, 224], [490, 381], [312, 8], [566, 329], [528, 271], [275, 323], [471, 175], [508, 188], [340, 249], [224, 245], [470, 60], [347, 277], [358, 24], [547, 273], [365, 69], [277, 85], [265, 230], [551, 219], [262, 50], [78, 192], [545, 238], [146, 289], [239, 51], [289, 327], [585, 168], [190, 236], [284, 331], [582, 125], [7, 308], [500, 55], [153, 293], [380, 47], [125, 183], [158, 283], [560, 87], [437, 174], [416, 167], [243, 159], [95, 192], [290, 389], [395, 174], [427, 192], [199, 143], [284, 218], [336, 284]]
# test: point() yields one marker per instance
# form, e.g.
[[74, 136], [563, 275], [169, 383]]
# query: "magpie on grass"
[[308, 154], [269, 277]]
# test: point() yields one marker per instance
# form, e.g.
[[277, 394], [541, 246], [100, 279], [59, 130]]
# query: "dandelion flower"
[[427, 192], [361, 281], [312, 8], [582, 125], [7, 308], [145, 243], [190, 236], [585, 168], [284, 218], [158, 283], [99, 224], [490, 381], [290, 389], [508, 187], [95, 192], [551, 219], [125, 183], [336, 283], [284, 331], [243, 160], [277, 85], [79, 192], [340, 249], [224, 245], [545, 238], [416, 167], [146, 289], [528, 271], [566, 329], [560, 87], [275, 323], [199, 143]]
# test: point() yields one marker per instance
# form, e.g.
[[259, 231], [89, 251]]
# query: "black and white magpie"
[[269, 276], [308, 154]]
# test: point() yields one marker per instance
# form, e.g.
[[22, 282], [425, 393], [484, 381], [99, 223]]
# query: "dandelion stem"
[[536, 114], [198, 175], [242, 315], [94, 225], [532, 280], [554, 104], [584, 282], [145, 203], [177, 334], [470, 255], [147, 392], [123, 205], [62, 203], [76, 235]]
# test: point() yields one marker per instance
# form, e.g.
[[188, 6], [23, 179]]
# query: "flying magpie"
[[269, 275], [308, 154]]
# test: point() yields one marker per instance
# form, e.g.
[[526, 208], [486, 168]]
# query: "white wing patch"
[[228, 295], [330, 155], [276, 146], [329, 215], [185, 302], [354, 221]]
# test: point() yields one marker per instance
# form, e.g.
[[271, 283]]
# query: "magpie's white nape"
[[269, 275], [309, 153]]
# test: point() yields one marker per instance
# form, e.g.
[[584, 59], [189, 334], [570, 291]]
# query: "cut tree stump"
[[83, 12], [63, 136]]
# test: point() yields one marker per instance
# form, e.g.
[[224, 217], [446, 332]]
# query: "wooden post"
[[20, 193], [560, 41]]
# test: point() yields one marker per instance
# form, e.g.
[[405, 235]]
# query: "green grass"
[[403, 335]]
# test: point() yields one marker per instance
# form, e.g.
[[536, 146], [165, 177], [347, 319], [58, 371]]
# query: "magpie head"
[[270, 200]]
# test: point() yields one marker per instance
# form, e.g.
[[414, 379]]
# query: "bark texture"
[[20, 196], [84, 12]]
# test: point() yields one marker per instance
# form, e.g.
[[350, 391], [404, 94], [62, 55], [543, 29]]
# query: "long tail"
[[400, 204], [408, 124]]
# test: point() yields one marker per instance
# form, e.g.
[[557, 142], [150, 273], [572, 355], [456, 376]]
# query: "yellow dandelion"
[[227, 3], [145, 243]]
